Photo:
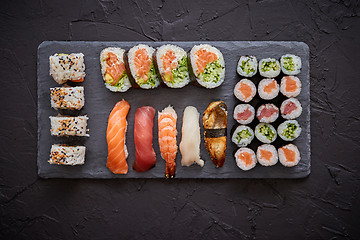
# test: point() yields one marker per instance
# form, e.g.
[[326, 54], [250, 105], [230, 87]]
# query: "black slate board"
[[99, 101]]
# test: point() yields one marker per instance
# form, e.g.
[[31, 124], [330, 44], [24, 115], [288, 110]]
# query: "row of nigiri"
[[214, 121]]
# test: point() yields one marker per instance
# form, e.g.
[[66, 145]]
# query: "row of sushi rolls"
[[144, 67]]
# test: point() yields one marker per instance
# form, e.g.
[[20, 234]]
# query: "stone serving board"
[[99, 101]]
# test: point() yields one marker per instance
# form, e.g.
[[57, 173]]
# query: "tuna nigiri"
[[167, 139], [115, 136], [145, 157], [190, 142]]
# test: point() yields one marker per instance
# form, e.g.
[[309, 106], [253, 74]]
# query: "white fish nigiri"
[[190, 141]]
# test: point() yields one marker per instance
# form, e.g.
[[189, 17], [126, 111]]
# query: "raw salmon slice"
[[115, 137], [115, 68], [270, 87], [169, 63], [246, 90], [289, 154], [267, 155], [142, 63], [291, 85], [203, 58]]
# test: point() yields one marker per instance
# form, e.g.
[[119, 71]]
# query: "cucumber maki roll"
[[265, 133], [208, 65], [247, 66], [172, 65], [269, 67], [290, 64], [289, 130], [243, 135]]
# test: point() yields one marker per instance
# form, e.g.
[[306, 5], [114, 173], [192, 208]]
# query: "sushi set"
[[173, 109]]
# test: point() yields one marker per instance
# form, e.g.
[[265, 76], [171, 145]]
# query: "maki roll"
[[265, 133], [290, 64], [67, 98], [245, 158], [291, 108], [171, 61], [268, 89], [290, 86], [267, 113], [69, 126], [113, 69], [141, 66], [243, 135], [247, 66], [67, 155], [289, 130], [208, 65], [267, 155], [289, 155], [269, 67], [244, 113], [245, 90], [67, 67]]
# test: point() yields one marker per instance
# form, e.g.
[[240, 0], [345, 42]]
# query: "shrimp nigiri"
[[167, 139], [115, 136]]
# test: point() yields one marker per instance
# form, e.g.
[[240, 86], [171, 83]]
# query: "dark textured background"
[[323, 206]]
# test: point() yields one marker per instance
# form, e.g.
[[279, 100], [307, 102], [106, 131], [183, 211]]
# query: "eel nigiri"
[[190, 142], [145, 156], [215, 124], [167, 139], [115, 136]]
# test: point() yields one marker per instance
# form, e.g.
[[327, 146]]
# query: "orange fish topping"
[[142, 63], [169, 63], [115, 68], [246, 158], [289, 154], [204, 57], [267, 155], [246, 90], [290, 85], [270, 87]]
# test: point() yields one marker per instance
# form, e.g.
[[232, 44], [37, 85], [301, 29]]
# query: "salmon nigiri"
[[145, 157], [115, 136], [167, 139]]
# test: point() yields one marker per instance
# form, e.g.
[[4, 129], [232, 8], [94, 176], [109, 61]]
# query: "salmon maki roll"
[[141, 66], [113, 69], [268, 89], [267, 155], [245, 90], [67, 67], [290, 86], [145, 156], [245, 158], [172, 64], [115, 137], [167, 139], [289, 155], [208, 65]]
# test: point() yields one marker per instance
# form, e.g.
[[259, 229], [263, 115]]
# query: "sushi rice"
[[208, 65], [269, 67], [242, 136], [172, 64], [289, 155], [67, 98], [67, 155], [64, 67], [265, 133], [69, 126], [247, 66], [245, 158], [290, 64], [115, 85], [267, 155], [289, 130]]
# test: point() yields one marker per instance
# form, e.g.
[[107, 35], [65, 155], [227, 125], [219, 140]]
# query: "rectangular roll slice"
[[67, 98], [67, 155], [64, 67], [69, 126]]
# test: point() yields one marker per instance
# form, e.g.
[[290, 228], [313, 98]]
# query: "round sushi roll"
[[244, 113], [243, 135], [245, 158], [290, 86], [208, 65], [247, 66], [265, 133], [290, 64], [172, 64], [267, 113], [141, 66], [113, 69], [245, 90], [267, 155], [289, 130], [291, 108], [269, 67], [268, 88], [289, 155]]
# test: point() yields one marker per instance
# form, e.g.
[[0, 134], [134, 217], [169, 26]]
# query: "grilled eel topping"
[[215, 124]]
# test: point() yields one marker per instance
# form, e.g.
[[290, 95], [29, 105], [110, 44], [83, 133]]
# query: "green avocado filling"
[[243, 134], [152, 77], [180, 73], [121, 82], [212, 72], [267, 132], [288, 64], [269, 65], [289, 131], [246, 67]]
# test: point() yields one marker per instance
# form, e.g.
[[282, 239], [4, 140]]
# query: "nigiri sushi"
[[167, 139], [145, 157], [190, 142], [215, 124], [115, 136]]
